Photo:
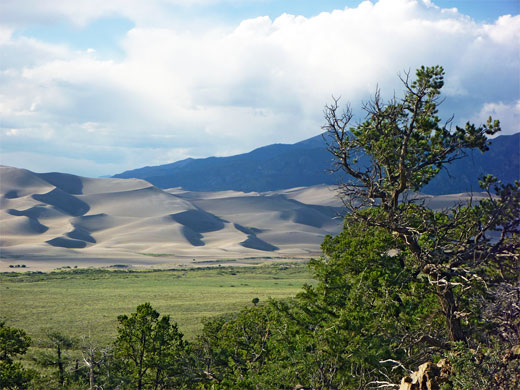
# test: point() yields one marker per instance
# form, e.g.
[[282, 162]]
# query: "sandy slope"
[[50, 220], [56, 219]]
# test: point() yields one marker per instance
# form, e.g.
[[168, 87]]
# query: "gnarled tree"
[[397, 150]]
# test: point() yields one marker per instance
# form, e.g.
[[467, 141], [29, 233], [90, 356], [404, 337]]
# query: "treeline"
[[402, 285]]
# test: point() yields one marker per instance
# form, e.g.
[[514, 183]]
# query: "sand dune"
[[63, 201], [321, 195], [97, 186], [82, 235], [137, 203], [58, 218], [191, 195], [17, 183], [53, 219], [96, 222], [22, 226], [199, 221]]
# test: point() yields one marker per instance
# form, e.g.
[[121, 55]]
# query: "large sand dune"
[[55, 219], [49, 220]]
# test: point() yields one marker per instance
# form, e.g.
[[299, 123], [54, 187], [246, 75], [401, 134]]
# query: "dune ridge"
[[49, 217], [52, 219]]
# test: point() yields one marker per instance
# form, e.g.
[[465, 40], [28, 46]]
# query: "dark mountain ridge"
[[307, 163]]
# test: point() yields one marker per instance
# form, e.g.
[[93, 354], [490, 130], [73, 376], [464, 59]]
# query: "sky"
[[97, 87]]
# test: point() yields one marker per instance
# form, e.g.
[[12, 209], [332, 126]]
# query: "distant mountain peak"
[[307, 163]]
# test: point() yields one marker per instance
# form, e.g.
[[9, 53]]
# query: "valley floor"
[[82, 302]]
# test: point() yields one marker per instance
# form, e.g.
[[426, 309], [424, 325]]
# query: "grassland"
[[82, 302]]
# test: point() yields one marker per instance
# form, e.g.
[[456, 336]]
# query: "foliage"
[[494, 367], [54, 356], [404, 141], [235, 350], [150, 351], [457, 257], [13, 342]]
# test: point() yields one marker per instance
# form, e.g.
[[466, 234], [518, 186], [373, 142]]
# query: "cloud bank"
[[226, 89]]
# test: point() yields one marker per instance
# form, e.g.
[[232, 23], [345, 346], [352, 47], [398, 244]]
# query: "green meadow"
[[83, 302]]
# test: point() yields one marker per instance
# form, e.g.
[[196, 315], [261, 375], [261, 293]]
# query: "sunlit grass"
[[83, 302]]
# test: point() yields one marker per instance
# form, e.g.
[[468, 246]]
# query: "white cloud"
[[508, 114], [5, 34], [226, 90], [505, 30]]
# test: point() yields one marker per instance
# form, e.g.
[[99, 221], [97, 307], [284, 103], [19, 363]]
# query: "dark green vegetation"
[[400, 286], [13, 342]]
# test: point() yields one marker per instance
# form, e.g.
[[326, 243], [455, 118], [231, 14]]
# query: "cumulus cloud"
[[225, 90], [508, 114]]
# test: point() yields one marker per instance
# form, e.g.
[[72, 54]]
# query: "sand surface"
[[54, 220]]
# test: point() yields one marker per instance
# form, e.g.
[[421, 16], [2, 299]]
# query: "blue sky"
[[95, 87]]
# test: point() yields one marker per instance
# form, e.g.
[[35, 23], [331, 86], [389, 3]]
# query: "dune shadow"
[[93, 223], [36, 226], [32, 215], [194, 238], [63, 201], [68, 183], [310, 217], [199, 221], [253, 242], [13, 194], [81, 234], [306, 216], [33, 212], [63, 242], [195, 222], [247, 230]]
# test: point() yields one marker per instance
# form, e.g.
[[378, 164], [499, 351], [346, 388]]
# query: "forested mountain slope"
[[307, 163]]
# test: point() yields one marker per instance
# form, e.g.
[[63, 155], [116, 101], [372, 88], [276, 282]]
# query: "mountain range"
[[308, 163]]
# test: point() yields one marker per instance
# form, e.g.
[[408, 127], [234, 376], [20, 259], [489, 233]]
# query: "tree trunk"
[[453, 324], [60, 367], [91, 377]]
